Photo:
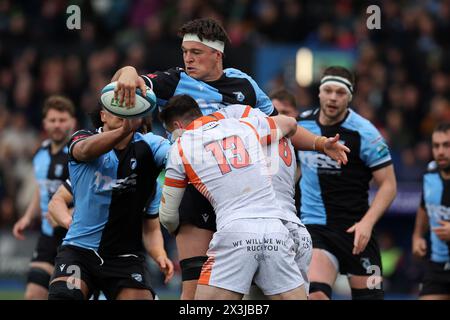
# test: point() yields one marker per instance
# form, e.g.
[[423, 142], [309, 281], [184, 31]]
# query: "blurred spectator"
[[285, 103]]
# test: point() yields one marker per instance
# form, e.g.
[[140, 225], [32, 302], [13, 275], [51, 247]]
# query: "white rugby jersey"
[[225, 161], [280, 157]]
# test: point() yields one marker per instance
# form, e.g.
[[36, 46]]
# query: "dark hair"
[[59, 103], [205, 28], [341, 72], [146, 125], [442, 127], [284, 95], [94, 116], [180, 106], [96, 119]]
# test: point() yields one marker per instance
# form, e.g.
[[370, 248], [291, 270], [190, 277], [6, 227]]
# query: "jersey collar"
[[199, 122]]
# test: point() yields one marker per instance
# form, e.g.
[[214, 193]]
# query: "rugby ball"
[[143, 105]]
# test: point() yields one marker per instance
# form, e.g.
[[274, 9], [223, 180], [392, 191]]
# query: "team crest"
[[137, 277], [59, 170], [239, 96]]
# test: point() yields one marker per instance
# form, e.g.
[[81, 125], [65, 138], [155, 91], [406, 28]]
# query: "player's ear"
[[177, 124], [103, 116], [219, 55]]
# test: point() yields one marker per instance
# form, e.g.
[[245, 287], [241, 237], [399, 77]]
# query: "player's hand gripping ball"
[[144, 105]]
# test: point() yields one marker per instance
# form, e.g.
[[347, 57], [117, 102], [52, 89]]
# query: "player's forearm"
[[153, 239], [98, 144], [168, 209], [304, 139], [421, 226], [57, 209], [383, 199]]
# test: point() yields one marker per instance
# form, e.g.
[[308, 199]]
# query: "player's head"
[[440, 145], [203, 48], [110, 121], [99, 116], [285, 103], [59, 118], [179, 112], [335, 91]]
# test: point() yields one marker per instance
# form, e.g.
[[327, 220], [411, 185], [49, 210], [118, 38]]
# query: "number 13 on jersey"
[[238, 157]]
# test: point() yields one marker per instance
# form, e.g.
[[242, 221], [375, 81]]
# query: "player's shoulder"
[[235, 73], [150, 138], [309, 115], [43, 148], [45, 145], [174, 72], [83, 133], [361, 124], [432, 168]]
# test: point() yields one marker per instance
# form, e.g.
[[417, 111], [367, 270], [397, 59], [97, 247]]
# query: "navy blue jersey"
[[234, 87], [50, 171], [436, 203], [113, 193], [338, 195]]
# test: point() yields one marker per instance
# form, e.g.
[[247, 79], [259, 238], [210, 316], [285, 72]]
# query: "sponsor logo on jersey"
[[106, 183], [137, 277], [437, 212], [382, 150], [318, 161]]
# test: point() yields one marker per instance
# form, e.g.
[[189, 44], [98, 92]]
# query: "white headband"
[[216, 44], [338, 81]]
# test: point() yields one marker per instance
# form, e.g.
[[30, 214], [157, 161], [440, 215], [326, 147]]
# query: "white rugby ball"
[[143, 105]]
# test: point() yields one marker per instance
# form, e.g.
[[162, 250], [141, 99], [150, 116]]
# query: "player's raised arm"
[[86, 147], [127, 81]]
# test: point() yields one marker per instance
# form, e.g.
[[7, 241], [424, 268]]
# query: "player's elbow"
[[292, 126], [168, 218], [82, 151], [289, 126]]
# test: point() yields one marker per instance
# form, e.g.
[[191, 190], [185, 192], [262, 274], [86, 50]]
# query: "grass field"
[[11, 295]]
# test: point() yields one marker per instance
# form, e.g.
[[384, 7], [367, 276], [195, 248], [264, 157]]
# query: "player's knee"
[[367, 294], [38, 276], [36, 293], [60, 291], [319, 291], [192, 267]]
